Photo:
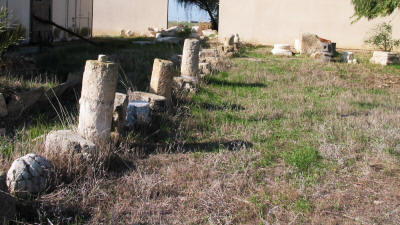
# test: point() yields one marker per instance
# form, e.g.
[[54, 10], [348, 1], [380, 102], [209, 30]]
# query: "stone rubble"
[[29, 175]]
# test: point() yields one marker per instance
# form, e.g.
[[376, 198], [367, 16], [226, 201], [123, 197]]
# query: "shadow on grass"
[[234, 145], [214, 81], [223, 106]]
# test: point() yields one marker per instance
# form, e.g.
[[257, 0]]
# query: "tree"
[[210, 6], [371, 9]]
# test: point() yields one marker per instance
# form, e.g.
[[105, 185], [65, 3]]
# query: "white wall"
[[110, 17], [281, 21]]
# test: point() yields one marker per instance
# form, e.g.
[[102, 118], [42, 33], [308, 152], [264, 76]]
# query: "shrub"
[[185, 33], [381, 37], [8, 35]]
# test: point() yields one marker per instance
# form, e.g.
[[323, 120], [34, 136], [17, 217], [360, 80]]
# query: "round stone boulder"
[[28, 175]]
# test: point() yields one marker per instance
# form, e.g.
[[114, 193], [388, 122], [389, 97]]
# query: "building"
[[73, 14], [111, 17], [282, 21], [85, 17]]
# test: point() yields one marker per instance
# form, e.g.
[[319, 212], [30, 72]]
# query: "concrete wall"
[[19, 13], [110, 17], [281, 21]]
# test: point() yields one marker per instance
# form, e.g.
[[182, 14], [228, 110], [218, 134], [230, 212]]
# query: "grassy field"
[[271, 140]]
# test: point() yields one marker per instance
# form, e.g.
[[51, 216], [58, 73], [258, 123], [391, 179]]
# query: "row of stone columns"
[[100, 82]]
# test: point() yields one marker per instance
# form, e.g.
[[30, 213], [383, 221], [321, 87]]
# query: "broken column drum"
[[190, 59], [97, 100], [161, 78]]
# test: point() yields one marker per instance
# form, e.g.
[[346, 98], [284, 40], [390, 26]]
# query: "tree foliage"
[[8, 35], [210, 6], [371, 9], [382, 37]]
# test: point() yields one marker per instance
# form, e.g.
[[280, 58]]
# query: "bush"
[[381, 37], [185, 33], [8, 35]]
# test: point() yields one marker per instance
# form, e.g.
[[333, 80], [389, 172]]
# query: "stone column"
[[97, 100], [161, 78], [190, 59]]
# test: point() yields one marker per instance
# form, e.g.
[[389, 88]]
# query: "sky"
[[177, 12]]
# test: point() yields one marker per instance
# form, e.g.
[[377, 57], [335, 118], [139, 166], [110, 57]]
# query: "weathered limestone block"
[[190, 59], [385, 58], [119, 116], [282, 49], [208, 53], [217, 63], [229, 41], [322, 56], [205, 68], [138, 112], [3, 106], [22, 101], [184, 84], [7, 207], [297, 45], [236, 42], [67, 142], [157, 103], [161, 78], [97, 100], [348, 57], [29, 175], [311, 43]]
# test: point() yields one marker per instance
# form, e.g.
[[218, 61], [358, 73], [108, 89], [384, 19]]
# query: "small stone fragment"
[[120, 106], [205, 68]]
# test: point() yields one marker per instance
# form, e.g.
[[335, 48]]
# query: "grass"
[[272, 141]]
